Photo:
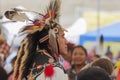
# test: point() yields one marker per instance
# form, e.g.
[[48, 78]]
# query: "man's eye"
[[63, 36]]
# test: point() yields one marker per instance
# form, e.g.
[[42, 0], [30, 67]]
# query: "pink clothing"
[[10, 77], [66, 65]]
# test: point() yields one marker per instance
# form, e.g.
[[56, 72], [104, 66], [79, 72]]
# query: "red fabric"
[[4, 49], [49, 71], [118, 76]]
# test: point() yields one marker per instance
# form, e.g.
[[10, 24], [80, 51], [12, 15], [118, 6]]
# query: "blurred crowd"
[[78, 63], [7, 59]]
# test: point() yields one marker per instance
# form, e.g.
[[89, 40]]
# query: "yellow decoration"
[[35, 27], [117, 65]]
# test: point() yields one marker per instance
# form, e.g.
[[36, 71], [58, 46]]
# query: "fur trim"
[[18, 60], [22, 66]]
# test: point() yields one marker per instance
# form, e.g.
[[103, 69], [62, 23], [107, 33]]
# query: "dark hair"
[[101, 39], [105, 64], [97, 56], [70, 46], [93, 73], [83, 48], [3, 74]]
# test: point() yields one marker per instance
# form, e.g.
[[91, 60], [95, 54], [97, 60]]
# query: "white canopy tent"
[[75, 30]]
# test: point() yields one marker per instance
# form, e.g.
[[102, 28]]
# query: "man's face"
[[62, 42]]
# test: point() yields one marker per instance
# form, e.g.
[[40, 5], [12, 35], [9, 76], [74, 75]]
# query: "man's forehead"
[[62, 33]]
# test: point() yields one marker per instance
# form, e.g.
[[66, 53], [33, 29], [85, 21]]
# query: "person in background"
[[8, 65], [91, 53], [79, 57], [2, 60], [95, 57], [93, 73], [105, 64], [4, 48], [96, 49], [109, 53], [117, 56], [10, 75]]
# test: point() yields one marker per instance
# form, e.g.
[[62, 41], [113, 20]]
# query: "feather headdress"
[[50, 18], [43, 31]]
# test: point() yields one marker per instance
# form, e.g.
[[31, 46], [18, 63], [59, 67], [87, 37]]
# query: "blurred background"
[[85, 20]]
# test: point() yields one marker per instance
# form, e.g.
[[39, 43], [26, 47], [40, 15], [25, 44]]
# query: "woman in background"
[[79, 57]]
